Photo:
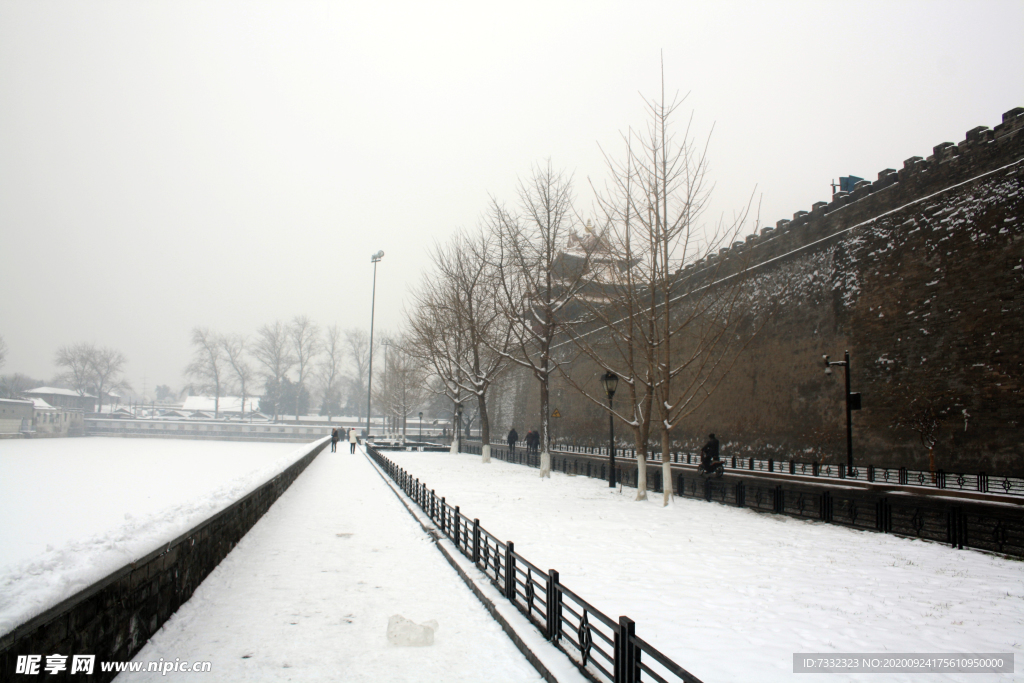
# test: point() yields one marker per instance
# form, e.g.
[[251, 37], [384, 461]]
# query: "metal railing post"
[[458, 526], [476, 541], [554, 607], [510, 572], [625, 666]]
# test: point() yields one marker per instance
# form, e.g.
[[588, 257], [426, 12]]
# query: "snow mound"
[[406, 633]]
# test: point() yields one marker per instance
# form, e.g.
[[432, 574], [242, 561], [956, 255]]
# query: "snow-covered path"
[[307, 593]]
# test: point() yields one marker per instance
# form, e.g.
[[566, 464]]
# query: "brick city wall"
[[920, 275], [114, 618]]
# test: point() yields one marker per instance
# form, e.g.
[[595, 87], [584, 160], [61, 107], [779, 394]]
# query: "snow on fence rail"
[[604, 649], [940, 479]]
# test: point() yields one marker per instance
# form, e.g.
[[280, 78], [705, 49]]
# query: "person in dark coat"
[[532, 440], [513, 436], [710, 450], [334, 440]]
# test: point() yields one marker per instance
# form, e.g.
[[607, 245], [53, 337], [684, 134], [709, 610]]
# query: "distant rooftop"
[[56, 391]]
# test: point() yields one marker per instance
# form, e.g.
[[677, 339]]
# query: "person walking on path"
[[352, 439], [710, 451], [513, 436], [531, 441], [334, 440]]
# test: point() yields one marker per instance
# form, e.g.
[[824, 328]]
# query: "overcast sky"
[[166, 165]]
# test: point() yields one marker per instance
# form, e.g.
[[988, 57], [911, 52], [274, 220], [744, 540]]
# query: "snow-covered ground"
[[728, 593], [731, 594], [307, 593], [74, 510]]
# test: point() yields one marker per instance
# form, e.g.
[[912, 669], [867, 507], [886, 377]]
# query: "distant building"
[[15, 417], [64, 398], [51, 421]]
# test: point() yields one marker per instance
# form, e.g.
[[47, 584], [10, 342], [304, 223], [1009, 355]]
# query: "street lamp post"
[[852, 404], [421, 426], [375, 258], [610, 381]]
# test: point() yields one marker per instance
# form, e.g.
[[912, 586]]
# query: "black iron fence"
[[983, 525], [940, 479], [604, 649]]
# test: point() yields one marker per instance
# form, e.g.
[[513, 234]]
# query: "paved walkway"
[[306, 595]]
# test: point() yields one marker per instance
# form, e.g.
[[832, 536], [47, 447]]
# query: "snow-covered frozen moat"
[[74, 510], [731, 594]]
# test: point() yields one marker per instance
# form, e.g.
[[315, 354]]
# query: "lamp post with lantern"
[[610, 381], [852, 404]]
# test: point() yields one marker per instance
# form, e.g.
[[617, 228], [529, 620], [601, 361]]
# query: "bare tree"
[[305, 339], [76, 359], [357, 350], [234, 353], [458, 322], [107, 365], [669, 331], [329, 370], [12, 386], [404, 383], [273, 352], [923, 412], [533, 289], [208, 362], [438, 342], [89, 367]]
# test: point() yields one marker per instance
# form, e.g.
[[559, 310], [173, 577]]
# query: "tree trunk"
[[455, 436], [485, 429], [666, 469], [641, 469], [545, 426]]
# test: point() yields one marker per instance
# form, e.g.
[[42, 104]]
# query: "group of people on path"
[[336, 436], [532, 441]]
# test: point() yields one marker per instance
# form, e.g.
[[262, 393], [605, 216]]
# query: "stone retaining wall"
[[114, 617]]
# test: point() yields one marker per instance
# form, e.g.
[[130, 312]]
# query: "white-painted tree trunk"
[[641, 476], [455, 446], [666, 483], [545, 463], [486, 454]]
